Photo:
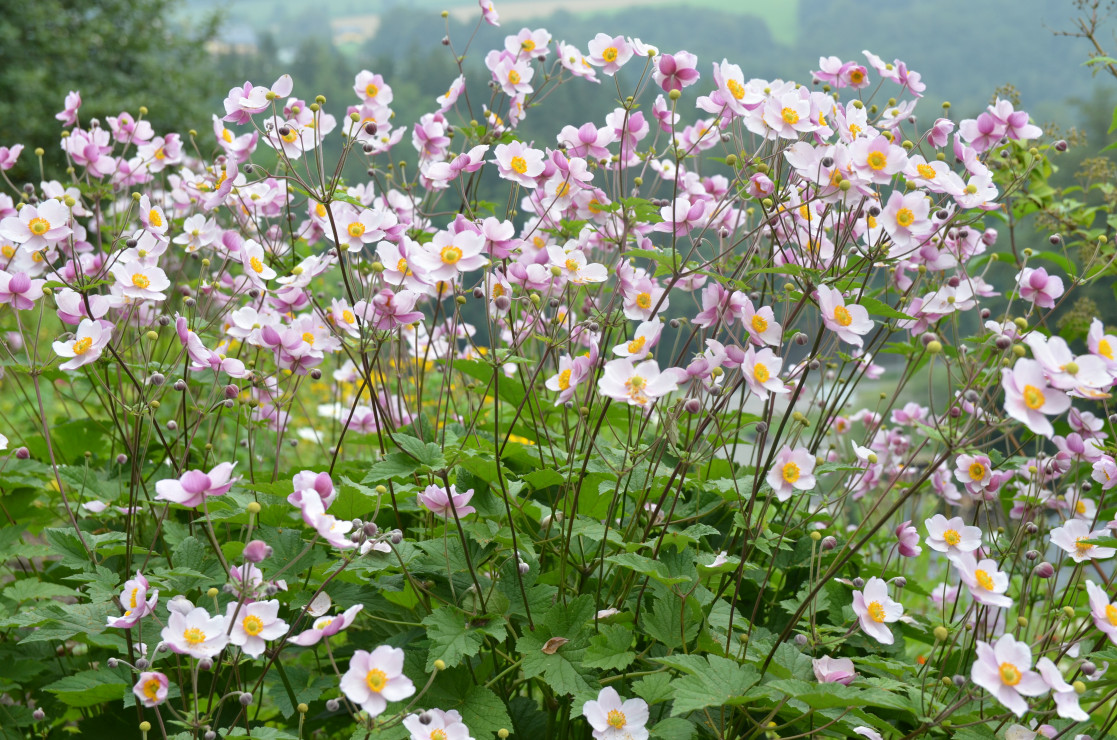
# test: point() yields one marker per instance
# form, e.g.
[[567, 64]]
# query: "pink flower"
[[69, 114], [195, 486], [390, 310], [637, 385], [327, 626], [1028, 397], [834, 670], [151, 688], [987, 584], [488, 12], [371, 88], [438, 725], [20, 290], [792, 470], [256, 551], [435, 499], [376, 678], [1105, 472], [330, 528], [951, 536], [675, 71], [38, 227], [1066, 698], [1073, 537], [908, 537], [874, 609], [609, 53], [86, 345], [9, 157], [136, 602], [195, 633], [1038, 287], [1103, 612], [877, 159], [1005, 671], [975, 472], [735, 95], [519, 163], [253, 624], [906, 219], [760, 370], [939, 135], [848, 322], [140, 281]]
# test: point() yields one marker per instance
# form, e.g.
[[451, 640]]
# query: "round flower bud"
[[959, 680], [180, 385], [675, 94], [113, 662], [523, 568], [829, 542], [1061, 145], [245, 699], [859, 582], [801, 640], [145, 726], [1088, 668], [302, 708], [899, 581], [210, 735], [1068, 612], [1031, 528], [1079, 687], [934, 347], [156, 379], [38, 715], [941, 633], [256, 551], [816, 535], [397, 537], [1031, 554], [503, 733], [23, 453], [332, 705], [232, 391], [440, 665], [692, 406]]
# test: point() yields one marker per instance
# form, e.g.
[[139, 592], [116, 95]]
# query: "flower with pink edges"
[[833, 670], [488, 12], [760, 369], [9, 156], [195, 633], [20, 290], [435, 499], [875, 609], [254, 624], [437, 725], [609, 53], [519, 163], [323, 627], [86, 344], [637, 384], [136, 602], [1028, 397], [151, 688], [69, 113], [792, 470], [986, 582], [1074, 537], [1004, 669], [951, 536], [38, 227], [849, 322], [1102, 610], [675, 71], [376, 678], [194, 486], [908, 538], [1037, 287]]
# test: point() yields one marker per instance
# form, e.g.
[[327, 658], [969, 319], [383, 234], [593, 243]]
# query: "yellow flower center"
[[1010, 674], [227, 136], [564, 380], [759, 323], [372, 90], [132, 600], [356, 229], [438, 734], [347, 316], [1079, 507], [951, 537], [290, 136], [1111, 614], [610, 54], [736, 89], [401, 267], [877, 160], [791, 472], [376, 679], [905, 217], [876, 611], [761, 373], [514, 77], [252, 625], [80, 347], [594, 205], [519, 164], [320, 210], [140, 280], [256, 264], [854, 130], [160, 154], [38, 226], [527, 45], [977, 470], [451, 255], [644, 300], [155, 219], [636, 345], [151, 689], [1082, 546], [926, 171], [842, 316], [857, 77], [984, 579], [194, 636], [572, 265], [1033, 397], [562, 189], [498, 290], [8, 251], [789, 116], [872, 222], [616, 719], [1104, 349], [805, 212], [308, 337]]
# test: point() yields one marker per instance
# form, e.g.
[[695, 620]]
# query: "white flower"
[[613, 719], [376, 678], [253, 624], [951, 536], [875, 609], [1073, 536]]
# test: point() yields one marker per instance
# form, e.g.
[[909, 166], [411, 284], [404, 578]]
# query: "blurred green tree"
[[120, 54]]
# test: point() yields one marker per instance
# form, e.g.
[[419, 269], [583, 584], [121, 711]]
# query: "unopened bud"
[[829, 542], [38, 715], [941, 633], [1044, 570]]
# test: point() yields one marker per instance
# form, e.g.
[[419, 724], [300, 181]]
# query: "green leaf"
[[543, 478], [88, 688], [673, 728], [654, 688], [452, 637], [646, 567], [880, 308], [562, 668], [711, 685], [425, 453], [29, 589], [395, 465], [610, 650]]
